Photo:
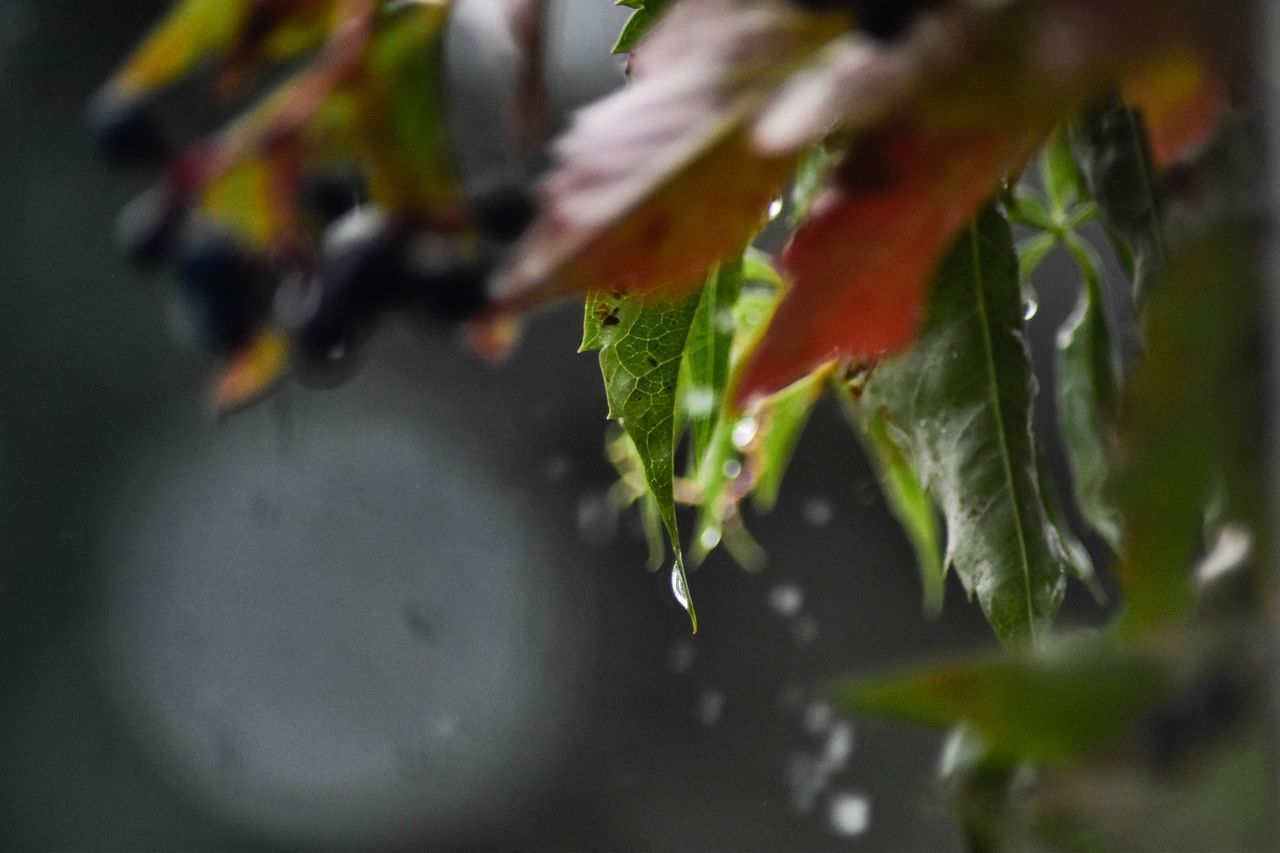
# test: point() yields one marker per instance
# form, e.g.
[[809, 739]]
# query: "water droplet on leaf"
[[744, 432]]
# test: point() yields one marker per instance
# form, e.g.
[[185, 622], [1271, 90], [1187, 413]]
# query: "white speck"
[[805, 630], [775, 208], [699, 402], [744, 432], [725, 321], [817, 718], [818, 512], [839, 746], [556, 468], [849, 814], [710, 538], [1230, 551], [678, 588], [732, 468], [1029, 309], [681, 659], [597, 520], [786, 599], [710, 707]]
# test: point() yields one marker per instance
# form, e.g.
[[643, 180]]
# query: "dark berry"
[[503, 214], [129, 136], [227, 292]]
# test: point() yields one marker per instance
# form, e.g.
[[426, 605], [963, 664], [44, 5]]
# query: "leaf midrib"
[[989, 351]]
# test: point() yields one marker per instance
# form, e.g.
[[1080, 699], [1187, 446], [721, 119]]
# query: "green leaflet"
[[641, 341], [645, 16], [1110, 142], [705, 371], [1088, 382], [906, 498], [1027, 707], [959, 406], [781, 421]]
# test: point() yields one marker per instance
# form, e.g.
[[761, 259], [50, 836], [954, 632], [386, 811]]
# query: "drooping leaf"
[[641, 342], [906, 498], [958, 404], [1046, 707], [705, 369], [1110, 141], [1088, 392]]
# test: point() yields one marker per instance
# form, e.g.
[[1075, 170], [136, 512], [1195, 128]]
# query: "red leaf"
[[860, 265]]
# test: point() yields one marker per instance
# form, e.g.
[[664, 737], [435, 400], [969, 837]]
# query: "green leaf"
[[958, 404], [811, 177], [1088, 382], [641, 341], [645, 16], [1111, 145], [910, 504], [1190, 420], [780, 422], [1063, 180], [706, 355], [1043, 707]]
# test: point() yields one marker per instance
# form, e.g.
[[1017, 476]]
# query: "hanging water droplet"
[[710, 538], [678, 589], [849, 814], [775, 208], [744, 432], [1029, 308]]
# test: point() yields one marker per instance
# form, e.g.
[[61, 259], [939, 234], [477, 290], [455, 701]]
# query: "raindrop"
[[817, 718], [1029, 308], [849, 814], [597, 520], [731, 468], [818, 512], [744, 432], [710, 707], [678, 588], [775, 208], [699, 402], [681, 658], [710, 538], [786, 599]]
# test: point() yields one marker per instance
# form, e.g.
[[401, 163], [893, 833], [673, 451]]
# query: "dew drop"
[[1029, 309], [775, 208], [849, 814], [744, 432], [731, 468]]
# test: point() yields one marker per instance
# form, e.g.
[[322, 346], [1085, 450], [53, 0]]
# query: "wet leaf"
[[1088, 383], [705, 369], [958, 404], [1110, 141], [641, 342], [907, 500]]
